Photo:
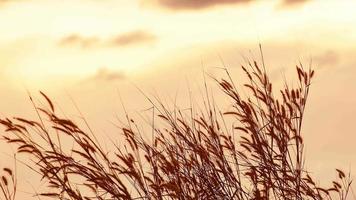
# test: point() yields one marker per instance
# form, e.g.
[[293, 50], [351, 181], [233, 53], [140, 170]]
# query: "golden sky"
[[89, 50]]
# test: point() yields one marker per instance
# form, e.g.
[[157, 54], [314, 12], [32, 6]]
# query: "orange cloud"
[[4, 1], [134, 37], [293, 2], [121, 40], [82, 41], [202, 4], [328, 58], [194, 4], [104, 74]]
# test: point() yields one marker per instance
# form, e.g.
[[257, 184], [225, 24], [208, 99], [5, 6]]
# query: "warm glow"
[[90, 49], [37, 53]]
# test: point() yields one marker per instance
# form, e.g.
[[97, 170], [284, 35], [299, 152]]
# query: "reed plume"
[[201, 156]]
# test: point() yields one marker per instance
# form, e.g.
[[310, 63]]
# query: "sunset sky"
[[92, 50]]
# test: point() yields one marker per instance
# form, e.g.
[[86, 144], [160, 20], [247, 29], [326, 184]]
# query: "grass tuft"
[[198, 157]]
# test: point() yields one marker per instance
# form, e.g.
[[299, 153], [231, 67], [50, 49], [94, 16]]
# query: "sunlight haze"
[[96, 51]]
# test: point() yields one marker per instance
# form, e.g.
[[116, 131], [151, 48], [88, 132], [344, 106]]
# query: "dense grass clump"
[[201, 156]]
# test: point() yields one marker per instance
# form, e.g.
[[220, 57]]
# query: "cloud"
[[137, 37], [104, 74], [203, 4], [75, 39], [328, 58], [287, 3], [5, 2], [193, 4]]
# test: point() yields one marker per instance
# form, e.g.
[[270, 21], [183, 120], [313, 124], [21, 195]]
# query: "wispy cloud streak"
[[138, 37], [204, 4]]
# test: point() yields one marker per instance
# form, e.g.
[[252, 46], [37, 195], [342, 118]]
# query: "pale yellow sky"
[[90, 49], [33, 32]]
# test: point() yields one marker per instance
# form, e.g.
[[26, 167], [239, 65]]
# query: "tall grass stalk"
[[259, 156]]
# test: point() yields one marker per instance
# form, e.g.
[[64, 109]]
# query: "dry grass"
[[201, 156], [8, 184]]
